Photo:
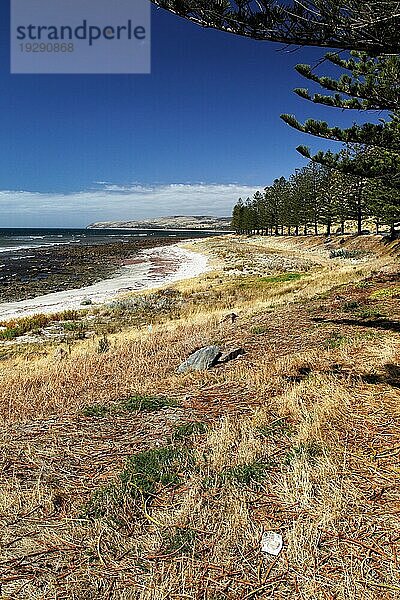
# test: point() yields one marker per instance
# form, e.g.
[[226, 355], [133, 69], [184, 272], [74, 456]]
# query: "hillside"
[[123, 479], [175, 222]]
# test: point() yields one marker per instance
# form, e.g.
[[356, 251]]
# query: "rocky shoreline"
[[32, 272]]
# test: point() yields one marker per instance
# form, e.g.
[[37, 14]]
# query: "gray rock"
[[231, 355], [201, 359], [230, 317], [86, 302]]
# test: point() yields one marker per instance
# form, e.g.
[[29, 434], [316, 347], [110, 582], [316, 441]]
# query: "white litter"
[[271, 543]]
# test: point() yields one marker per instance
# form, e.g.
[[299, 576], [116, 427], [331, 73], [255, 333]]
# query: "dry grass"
[[302, 439]]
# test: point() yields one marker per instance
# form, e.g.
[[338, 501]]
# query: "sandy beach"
[[151, 268]]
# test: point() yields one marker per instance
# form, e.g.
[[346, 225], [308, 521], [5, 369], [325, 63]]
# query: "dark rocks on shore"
[[28, 273]]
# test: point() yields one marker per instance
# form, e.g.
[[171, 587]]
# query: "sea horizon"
[[23, 238]]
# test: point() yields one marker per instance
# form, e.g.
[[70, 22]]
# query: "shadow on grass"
[[391, 376], [383, 324]]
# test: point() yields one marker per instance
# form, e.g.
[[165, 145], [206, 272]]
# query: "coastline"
[[36, 271], [149, 269]]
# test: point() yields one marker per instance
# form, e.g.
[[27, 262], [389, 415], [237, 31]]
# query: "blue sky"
[[190, 138]]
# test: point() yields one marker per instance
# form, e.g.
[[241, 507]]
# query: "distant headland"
[[175, 222]]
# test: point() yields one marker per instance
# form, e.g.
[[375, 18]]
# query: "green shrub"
[[343, 253], [146, 471], [103, 503], [182, 432], [246, 474], [103, 345], [392, 292], [259, 329], [148, 403], [74, 326], [96, 410], [309, 451], [335, 341], [350, 306], [182, 541], [145, 403], [369, 313]]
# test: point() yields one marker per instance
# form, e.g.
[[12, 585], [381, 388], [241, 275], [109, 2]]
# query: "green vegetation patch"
[[17, 327], [309, 451], [133, 403], [74, 326], [250, 474], [278, 427], [371, 313], [336, 340], [181, 542], [146, 472], [350, 306], [103, 503], [144, 475], [343, 253], [392, 292], [246, 474], [147, 403], [259, 329], [96, 410], [285, 277], [187, 430]]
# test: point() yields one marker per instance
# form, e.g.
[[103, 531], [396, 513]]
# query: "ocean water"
[[21, 239], [151, 267]]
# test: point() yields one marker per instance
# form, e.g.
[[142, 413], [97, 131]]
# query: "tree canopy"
[[368, 25], [369, 83], [316, 197]]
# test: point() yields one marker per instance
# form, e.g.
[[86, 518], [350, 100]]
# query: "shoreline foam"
[[159, 266]]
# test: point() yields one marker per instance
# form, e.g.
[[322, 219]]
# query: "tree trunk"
[[359, 216], [328, 228]]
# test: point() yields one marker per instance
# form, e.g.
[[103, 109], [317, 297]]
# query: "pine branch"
[[346, 24]]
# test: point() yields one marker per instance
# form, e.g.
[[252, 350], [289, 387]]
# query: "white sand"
[[174, 262]]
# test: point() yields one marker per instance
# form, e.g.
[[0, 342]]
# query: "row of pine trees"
[[359, 183], [318, 199]]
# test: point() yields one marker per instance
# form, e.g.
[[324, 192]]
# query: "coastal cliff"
[[174, 222]]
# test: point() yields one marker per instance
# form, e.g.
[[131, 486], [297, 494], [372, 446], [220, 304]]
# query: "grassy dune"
[[121, 479]]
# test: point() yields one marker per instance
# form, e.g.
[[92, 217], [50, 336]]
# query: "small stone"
[[201, 359], [86, 302], [229, 317], [271, 543]]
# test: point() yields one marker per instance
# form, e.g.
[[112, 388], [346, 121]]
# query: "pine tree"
[[351, 24], [373, 84], [237, 216], [384, 203]]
